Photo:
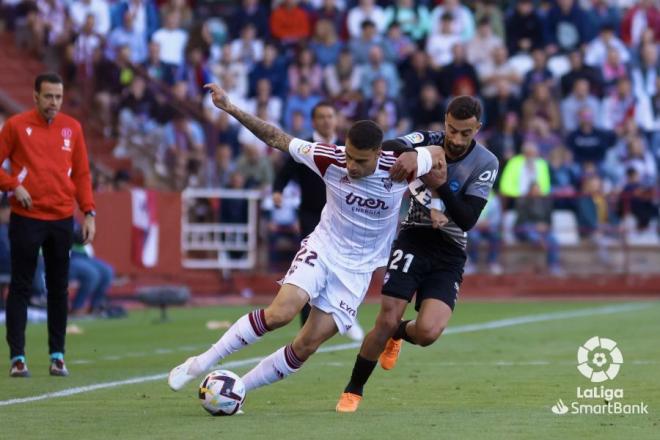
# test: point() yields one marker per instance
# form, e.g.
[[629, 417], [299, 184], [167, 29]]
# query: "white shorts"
[[332, 289]]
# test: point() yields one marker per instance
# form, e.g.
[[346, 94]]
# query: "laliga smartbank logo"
[[599, 360]]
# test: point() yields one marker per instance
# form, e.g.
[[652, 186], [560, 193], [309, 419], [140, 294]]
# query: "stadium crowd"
[[570, 90]]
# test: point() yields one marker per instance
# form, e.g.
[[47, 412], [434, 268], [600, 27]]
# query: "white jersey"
[[359, 220]]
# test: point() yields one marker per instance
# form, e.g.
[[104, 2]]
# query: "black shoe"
[[57, 368], [19, 369]]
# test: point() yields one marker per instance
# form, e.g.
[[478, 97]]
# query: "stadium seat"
[[565, 227]]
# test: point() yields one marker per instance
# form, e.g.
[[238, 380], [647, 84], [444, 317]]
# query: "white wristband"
[[438, 204], [424, 161]]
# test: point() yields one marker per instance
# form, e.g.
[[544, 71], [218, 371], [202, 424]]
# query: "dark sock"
[[400, 332], [361, 372]]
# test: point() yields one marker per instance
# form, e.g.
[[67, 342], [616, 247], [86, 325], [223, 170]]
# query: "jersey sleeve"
[[483, 178], [422, 138], [315, 156]]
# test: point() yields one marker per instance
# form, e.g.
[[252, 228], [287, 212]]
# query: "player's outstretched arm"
[[268, 133]]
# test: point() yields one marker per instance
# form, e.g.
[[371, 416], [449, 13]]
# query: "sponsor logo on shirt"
[[348, 309], [369, 203], [345, 180]]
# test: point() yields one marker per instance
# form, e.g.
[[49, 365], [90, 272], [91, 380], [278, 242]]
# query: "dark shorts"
[[422, 262]]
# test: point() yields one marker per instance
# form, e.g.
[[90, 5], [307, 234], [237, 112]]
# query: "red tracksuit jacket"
[[50, 161]]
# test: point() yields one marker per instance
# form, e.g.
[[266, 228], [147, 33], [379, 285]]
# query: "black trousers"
[[26, 237], [308, 221]]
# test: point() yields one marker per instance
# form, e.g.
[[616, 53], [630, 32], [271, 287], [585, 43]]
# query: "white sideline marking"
[[501, 323]]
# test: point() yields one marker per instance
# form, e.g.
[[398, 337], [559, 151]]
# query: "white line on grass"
[[501, 323]]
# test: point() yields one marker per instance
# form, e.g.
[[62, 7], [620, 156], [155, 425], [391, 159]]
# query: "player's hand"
[[277, 199], [23, 197], [405, 165], [436, 177], [438, 218], [88, 229], [219, 96]]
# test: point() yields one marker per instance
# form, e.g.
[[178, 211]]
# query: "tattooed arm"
[[268, 133]]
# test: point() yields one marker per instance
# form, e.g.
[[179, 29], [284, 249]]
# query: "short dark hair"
[[322, 104], [365, 135], [464, 107], [48, 77]]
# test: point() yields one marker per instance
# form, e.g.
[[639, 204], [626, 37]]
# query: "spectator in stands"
[[377, 67], [325, 43], [145, 16], [567, 27], [183, 144], [428, 110], [597, 50], [86, 44], [603, 13], [264, 97], [52, 30], [378, 102], [303, 101], [458, 73], [137, 125], [539, 73], [505, 141], [534, 225], [399, 43], [439, 46], [631, 152], [172, 40], [220, 168], [182, 8], [100, 9], [619, 106], [578, 99], [480, 49], [501, 68], [541, 105], [272, 67], [157, 69], [250, 12], [254, 167], [588, 143], [415, 73], [644, 14], [195, 72], [234, 210], [334, 12], [565, 177], [592, 210], [638, 199], [248, 49], [127, 35], [290, 23], [524, 169], [612, 70], [94, 278], [305, 68], [540, 133], [363, 11], [646, 71], [369, 37], [579, 70], [414, 20], [463, 20], [488, 227], [524, 29]]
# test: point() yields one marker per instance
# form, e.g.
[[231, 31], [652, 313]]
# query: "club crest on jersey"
[[414, 138], [387, 183], [67, 133], [454, 185], [305, 149]]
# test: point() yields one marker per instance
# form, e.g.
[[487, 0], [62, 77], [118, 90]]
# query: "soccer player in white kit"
[[335, 263]]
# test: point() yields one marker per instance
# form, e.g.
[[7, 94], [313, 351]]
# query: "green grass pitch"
[[475, 382]]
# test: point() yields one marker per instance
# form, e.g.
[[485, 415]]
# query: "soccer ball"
[[222, 393]]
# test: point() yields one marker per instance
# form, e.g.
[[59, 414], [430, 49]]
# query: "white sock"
[[274, 368], [247, 330]]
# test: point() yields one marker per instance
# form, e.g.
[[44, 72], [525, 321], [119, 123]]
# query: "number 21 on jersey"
[[396, 258]]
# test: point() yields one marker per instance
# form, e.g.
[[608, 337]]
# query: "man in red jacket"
[[49, 171]]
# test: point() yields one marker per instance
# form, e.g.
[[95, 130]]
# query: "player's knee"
[[305, 347], [277, 317], [427, 335], [387, 323]]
